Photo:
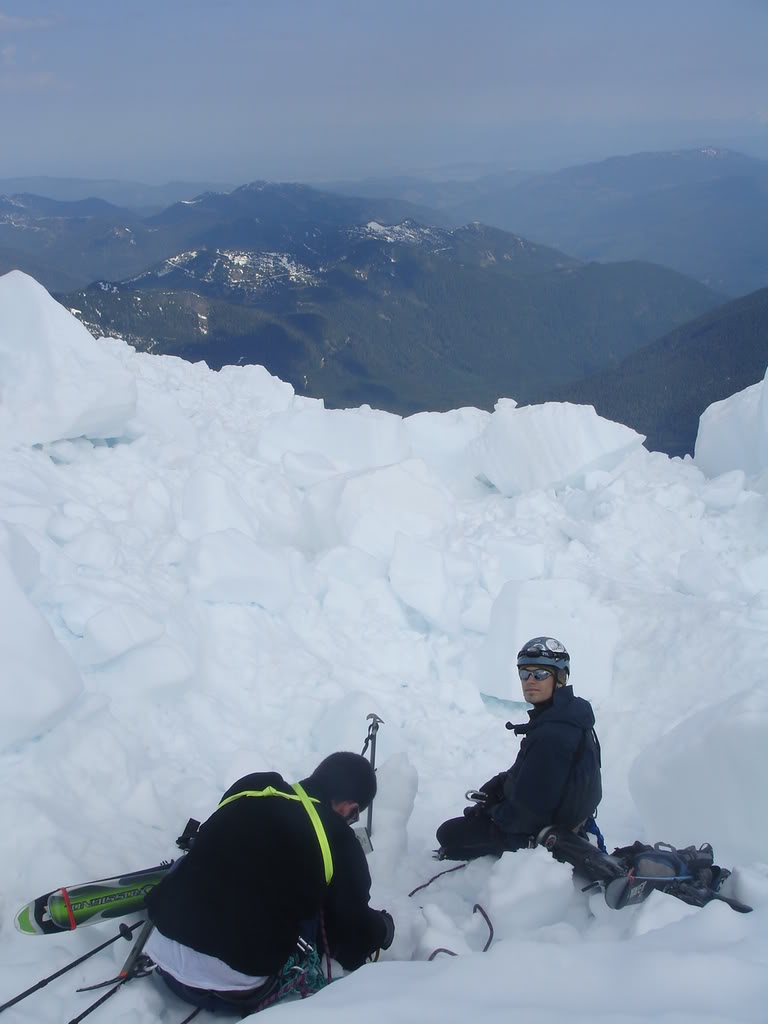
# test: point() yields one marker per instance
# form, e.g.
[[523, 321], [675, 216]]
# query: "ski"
[[75, 906]]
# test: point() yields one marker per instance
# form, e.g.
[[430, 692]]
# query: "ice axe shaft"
[[370, 740]]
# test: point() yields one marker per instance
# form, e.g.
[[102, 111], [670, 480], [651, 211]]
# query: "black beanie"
[[343, 776]]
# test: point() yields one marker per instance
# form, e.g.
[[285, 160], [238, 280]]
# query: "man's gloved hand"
[[494, 788], [474, 810], [389, 923]]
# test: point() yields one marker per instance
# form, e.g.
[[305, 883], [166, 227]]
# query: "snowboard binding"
[[631, 873]]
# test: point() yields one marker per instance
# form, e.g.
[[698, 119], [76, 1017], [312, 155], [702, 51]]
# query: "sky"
[[204, 575], [292, 89]]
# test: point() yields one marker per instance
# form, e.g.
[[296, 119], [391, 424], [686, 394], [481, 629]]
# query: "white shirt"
[[198, 970]]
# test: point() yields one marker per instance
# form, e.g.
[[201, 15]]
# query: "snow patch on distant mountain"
[[407, 231], [239, 269]]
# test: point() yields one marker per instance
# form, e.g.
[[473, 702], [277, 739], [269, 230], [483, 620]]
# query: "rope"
[[432, 879], [441, 949], [477, 908], [192, 1015], [326, 947]]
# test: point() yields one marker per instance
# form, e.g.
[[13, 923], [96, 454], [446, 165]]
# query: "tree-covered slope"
[[663, 388]]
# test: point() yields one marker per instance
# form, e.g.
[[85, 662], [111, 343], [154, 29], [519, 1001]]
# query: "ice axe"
[[370, 740]]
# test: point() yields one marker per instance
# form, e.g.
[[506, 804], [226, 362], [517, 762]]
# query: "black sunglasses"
[[537, 673]]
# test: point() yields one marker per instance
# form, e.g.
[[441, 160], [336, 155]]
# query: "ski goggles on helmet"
[[538, 674]]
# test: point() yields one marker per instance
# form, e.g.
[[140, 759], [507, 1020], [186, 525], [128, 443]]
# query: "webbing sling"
[[308, 804]]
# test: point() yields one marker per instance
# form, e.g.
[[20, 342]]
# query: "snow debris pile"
[[204, 574]]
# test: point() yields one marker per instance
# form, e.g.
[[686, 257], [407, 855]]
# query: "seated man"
[[262, 869], [555, 779]]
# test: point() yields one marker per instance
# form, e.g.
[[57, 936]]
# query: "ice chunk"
[[56, 381], [347, 438], [724, 491], [39, 680], [375, 506], [398, 782], [705, 779], [419, 578], [115, 630], [231, 568], [307, 468], [445, 441], [733, 434], [210, 504], [701, 573], [754, 573], [511, 559], [542, 446], [23, 559], [566, 609]]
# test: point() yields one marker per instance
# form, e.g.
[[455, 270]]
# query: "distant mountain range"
[[702, 212], [69, 245], [133, 195], [383, 301], [399, 315], [662, 388]]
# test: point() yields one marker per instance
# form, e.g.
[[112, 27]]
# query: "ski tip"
[[25, 921]]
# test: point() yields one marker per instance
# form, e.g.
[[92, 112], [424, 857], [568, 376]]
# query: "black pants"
[[467, 838]]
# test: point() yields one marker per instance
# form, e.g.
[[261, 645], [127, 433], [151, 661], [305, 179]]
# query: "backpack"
[[583, 790], [665, 863]]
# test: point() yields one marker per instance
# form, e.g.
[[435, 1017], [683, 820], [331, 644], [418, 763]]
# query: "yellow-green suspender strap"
[[322, 838], [308, 804]]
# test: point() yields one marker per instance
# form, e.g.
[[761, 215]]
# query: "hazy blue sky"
[[233, 90]]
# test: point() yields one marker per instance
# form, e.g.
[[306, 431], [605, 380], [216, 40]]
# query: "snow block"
[[210, 504], [116, 630], [733, 434], [56, 381], [375, 506], [705, 779], [419, 578], [39, 680], [228, 567], [542, 446], [347, 438], [565, 609]]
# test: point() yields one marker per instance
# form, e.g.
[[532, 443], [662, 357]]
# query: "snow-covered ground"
[[203, 575]]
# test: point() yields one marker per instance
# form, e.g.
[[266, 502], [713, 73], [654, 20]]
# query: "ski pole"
[[373, 728], [138, 946], [102, 999], [125, 932], [130, 969]]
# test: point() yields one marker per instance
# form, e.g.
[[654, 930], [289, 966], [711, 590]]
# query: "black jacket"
[[255, 873], [555, 779]]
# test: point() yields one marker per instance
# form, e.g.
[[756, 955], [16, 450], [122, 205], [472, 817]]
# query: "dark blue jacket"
[[555, 779]]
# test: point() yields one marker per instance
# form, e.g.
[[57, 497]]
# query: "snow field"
[[203, 574]]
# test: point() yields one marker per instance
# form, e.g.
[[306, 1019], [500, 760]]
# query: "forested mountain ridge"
[[663, 388], [405, 317]]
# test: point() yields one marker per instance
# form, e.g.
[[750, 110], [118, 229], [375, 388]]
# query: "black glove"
[[389, 924], [474, 810], [494, 788]]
